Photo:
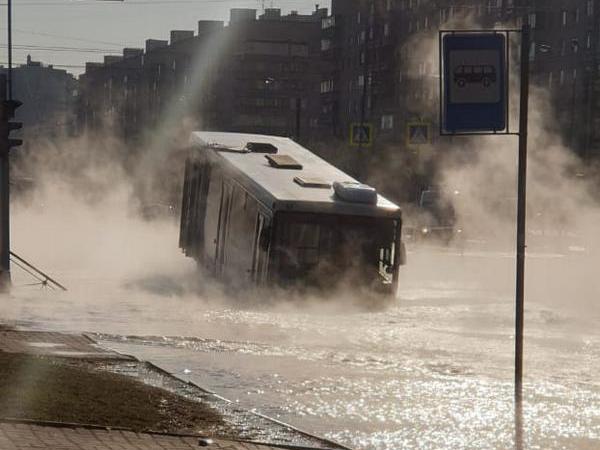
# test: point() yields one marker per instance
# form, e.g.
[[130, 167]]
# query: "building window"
[[386, 29], [577, 15], [325, 44], [588, 43], [326, 86], [590, 7], [358, 18], [389, 4], [532, 20], [361, 80], [564, 17], [562, 77], [550, 79], [387, 122], [443, 15], [328, 22]]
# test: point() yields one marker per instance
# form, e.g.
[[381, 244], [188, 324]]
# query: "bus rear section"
[[329, 251]]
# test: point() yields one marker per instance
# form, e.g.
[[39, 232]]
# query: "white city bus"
[[263, 210]]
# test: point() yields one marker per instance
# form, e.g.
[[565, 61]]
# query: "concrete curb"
[[334, 445]]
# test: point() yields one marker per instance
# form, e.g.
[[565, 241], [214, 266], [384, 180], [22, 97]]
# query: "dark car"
[[438, 219]]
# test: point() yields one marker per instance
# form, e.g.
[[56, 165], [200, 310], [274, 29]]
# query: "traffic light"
[[7, 112]]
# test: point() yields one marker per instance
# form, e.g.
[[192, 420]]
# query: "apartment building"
[[257, 74]]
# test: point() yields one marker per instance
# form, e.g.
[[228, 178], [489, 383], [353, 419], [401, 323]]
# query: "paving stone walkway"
[[25, 436], [54, 344]]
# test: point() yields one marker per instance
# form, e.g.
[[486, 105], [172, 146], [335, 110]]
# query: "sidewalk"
[[43, 343], [24, 436], [80, 357]]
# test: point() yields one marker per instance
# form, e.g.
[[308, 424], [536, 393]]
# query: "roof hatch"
[[283, 162], [261, 147], [312, 182]]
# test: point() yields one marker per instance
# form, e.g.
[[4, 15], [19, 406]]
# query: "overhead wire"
[[66, 66], [60, 36], [64, 49], [133, 2]]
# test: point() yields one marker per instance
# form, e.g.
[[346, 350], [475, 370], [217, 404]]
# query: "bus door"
[[198, 187], [240, 237], [184, 226], [210, 233], [224, 210]]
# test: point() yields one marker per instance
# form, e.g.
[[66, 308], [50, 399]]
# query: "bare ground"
[[55, 390]]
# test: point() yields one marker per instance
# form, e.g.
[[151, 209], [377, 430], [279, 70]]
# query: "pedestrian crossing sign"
[[361, 134], [418, 133]]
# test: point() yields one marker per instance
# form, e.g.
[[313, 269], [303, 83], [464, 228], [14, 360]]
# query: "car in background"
[[437, 220]]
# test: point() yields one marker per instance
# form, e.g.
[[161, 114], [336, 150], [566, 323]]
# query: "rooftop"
[[276, 187]]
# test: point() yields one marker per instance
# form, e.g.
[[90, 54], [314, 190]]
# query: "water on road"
[[432, 371]]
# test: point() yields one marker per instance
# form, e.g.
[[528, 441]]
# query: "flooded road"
[[432, 371]]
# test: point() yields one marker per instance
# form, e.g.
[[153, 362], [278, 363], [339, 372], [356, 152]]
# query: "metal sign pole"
[[522, 214], [461, 52]]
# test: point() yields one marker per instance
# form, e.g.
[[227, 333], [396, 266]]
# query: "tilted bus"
[[261, 210]]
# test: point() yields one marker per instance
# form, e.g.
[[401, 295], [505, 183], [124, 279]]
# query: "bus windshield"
[[328, 250]]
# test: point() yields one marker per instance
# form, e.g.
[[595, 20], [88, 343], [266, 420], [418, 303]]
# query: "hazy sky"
[[72, 32]]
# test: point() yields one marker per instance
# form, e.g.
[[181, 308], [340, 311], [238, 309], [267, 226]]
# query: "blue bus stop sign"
[[474, 82]]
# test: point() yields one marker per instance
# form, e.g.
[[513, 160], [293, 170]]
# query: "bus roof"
[[275, 187]]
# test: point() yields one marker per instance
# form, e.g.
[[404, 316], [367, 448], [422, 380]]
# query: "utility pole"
[[9, 44], [7, 112], [4, 190]]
